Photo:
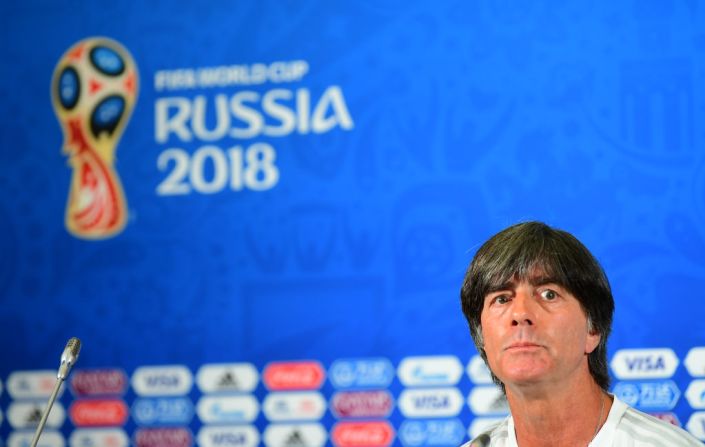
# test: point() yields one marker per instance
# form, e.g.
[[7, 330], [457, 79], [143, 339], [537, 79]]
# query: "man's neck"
[[558, 415]]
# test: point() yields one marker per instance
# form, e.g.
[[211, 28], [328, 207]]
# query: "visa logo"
[[169, 381], [644, 363], [431, 402], [228, 439]]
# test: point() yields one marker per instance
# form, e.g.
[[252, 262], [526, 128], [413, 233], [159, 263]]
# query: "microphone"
[[68, 359], [481, 441]]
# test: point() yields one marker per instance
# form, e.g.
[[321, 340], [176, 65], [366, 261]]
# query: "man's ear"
[[593, 338]]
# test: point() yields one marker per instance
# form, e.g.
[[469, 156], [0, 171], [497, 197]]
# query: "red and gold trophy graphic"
[[93, 90]]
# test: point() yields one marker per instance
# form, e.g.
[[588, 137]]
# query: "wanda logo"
[[98, 382], [92, 413], [163, 437], [294, 376], [362, 434]]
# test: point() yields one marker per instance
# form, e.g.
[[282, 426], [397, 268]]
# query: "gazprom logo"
[[227, 409], [174, 380], [430, 371], [361, 373], [696, 394], [432, 402], [644, 363]]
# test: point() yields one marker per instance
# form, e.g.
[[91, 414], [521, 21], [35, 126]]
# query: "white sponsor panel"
[[430, 371], [27, 414], [696, 394], [227, 377], [228, 436], [430, 402], [696, 425], [483, 424], [658, 363], [478, 372], [32, 384], [227, 409], [287, 435], [695, 361], [113, 437], [171, 380], [49, 438], [294, 406], [488, 400]]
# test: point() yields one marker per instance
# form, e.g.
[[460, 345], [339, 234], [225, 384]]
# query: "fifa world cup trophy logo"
[[93, 91]]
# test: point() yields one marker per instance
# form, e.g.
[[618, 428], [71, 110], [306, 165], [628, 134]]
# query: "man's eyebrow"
[[504, 286]]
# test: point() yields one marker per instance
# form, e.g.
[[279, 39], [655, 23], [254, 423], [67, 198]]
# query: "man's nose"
[[522, 310]]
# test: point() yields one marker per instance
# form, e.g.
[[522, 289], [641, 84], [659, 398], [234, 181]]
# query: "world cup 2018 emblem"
[[93, 90]]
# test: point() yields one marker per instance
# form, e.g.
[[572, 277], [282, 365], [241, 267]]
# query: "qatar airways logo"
[[236, 127]]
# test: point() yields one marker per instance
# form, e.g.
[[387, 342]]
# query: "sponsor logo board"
[[430, 371], [306, 375], [478, 372], [430, 402], [174, 380], [294, 406], [362, 434], [98, 382], [361, 373], [696, 425], [440, 432], [654, 395], [630, 364], [228, 436], [488, 400], [163, 437], [49, 438], [227, 409], [227, 377], [362, 404], [98, 413], [162, 411], [695, 361], [32, 384], [98, 437], [695, 393], [295, 435], [27, 414]]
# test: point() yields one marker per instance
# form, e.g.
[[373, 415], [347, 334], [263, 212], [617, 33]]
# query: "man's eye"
[[501, 299], [549, 294]]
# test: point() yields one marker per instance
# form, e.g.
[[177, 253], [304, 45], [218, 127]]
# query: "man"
[[540, 310]]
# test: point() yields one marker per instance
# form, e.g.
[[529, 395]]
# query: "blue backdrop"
[[309, 180]]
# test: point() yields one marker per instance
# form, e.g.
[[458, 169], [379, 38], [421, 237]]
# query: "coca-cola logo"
[[98, 413], [98, 382], [163, 437], [362, 434], [294, 376], [354, 404]]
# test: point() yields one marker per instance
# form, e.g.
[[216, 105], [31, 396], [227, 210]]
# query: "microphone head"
[[69, 357], [481, 441]]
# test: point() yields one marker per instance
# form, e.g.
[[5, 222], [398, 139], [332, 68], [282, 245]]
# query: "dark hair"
[[517, 253]]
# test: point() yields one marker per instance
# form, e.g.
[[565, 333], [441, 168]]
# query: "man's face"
[[535, 332]]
